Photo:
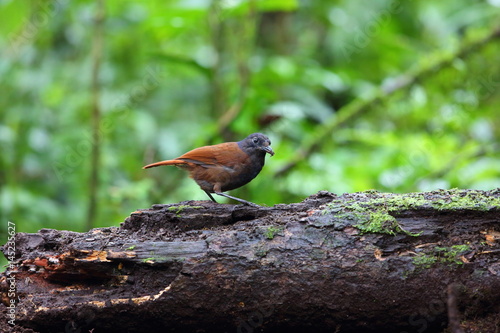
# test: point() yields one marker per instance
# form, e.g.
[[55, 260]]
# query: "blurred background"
[[396, 96]]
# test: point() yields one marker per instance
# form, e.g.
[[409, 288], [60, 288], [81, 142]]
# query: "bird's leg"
[[211, 197], [238, 199]]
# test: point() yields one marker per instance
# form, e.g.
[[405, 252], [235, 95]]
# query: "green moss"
[[162, 259], [424, 261], [444, 255], [379, 222], [179, 208], [450, 254], [471, 200], [374, 211], [373, 216], [130, 248], [260, 252], [271, 232]]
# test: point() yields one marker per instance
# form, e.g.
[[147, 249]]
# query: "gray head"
[[256, 142]]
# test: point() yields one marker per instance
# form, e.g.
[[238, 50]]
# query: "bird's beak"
[[268, 150]]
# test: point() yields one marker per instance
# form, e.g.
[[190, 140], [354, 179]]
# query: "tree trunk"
[[361, 262]]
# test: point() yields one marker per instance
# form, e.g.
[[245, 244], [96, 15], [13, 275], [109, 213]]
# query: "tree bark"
[[360, 262]]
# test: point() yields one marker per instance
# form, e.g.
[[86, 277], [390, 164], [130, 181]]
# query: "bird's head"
[[257, 141]]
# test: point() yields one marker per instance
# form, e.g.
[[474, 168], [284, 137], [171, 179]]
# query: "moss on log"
[[368, 261]]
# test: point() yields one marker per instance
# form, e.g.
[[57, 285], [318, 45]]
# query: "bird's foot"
[[251, 204], [238, 199]]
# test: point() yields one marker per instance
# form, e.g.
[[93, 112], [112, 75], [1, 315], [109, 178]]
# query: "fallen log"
[[360, 262]]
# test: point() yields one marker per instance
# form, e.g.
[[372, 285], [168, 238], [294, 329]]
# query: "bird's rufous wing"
[[226, 154]]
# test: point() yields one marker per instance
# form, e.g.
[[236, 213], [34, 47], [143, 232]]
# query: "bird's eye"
[[255, 140]]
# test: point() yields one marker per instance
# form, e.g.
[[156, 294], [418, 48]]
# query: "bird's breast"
[[242, 173], [228, 174]]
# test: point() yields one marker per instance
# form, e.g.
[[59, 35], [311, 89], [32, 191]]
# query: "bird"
[[224, 166]]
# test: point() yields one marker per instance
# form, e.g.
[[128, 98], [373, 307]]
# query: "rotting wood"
[[369, 261]]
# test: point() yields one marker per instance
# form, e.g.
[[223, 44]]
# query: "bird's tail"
[[168, 162]]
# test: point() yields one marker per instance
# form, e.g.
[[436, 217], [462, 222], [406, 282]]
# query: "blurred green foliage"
[[179, 74]]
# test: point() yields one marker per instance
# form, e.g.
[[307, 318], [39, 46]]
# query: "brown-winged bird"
[[225, 166]]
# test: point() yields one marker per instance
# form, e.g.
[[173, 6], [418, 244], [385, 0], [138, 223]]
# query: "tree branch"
[[432, 64], [97, 45], [367, 261]]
